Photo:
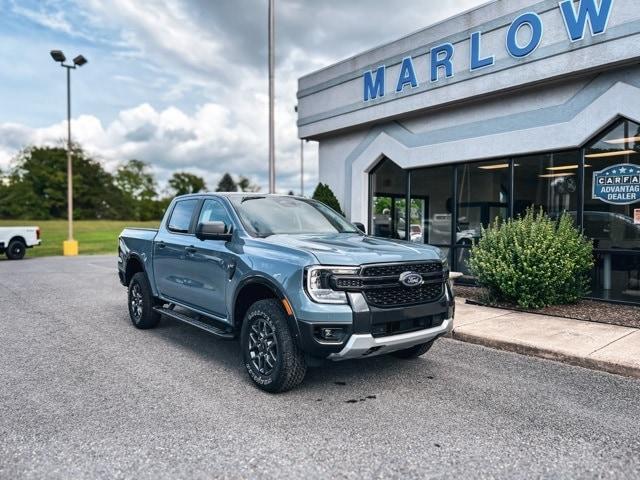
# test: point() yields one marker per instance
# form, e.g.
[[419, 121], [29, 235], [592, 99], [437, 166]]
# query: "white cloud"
[[210, 141], [197, 69]]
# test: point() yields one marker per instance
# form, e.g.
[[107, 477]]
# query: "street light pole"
[[301, 167], [69, 166], [272, 154], [69, 246]]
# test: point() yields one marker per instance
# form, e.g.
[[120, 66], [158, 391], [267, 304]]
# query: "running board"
[[218, 332]]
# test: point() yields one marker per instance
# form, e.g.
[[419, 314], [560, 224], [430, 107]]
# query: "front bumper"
[[366, 345], [375, 331]]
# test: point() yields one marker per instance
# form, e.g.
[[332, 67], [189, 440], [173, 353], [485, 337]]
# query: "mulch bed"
[[590, 310]]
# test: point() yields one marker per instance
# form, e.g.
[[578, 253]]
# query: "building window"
[[482, 195], [612, 215], [432, 206], [388, 200], [548, 180]]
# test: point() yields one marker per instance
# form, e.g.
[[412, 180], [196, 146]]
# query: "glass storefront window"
[[548, 180], [613, 223], [482, 195], [388, 200], [431, 205], [486, 190]]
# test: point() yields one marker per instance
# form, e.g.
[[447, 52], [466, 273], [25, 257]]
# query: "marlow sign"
[[617, 184], [575, 21]]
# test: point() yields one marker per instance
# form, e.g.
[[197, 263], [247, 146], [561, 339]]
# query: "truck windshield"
[[263, 216]]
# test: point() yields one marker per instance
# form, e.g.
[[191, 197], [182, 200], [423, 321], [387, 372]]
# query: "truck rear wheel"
[[415, 351], [272, 358], [16, 250], [141, 303]]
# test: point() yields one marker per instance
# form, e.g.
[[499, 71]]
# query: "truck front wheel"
[[16, 250], [141, 303], [272, 358]]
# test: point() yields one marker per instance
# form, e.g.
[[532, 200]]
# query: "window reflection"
[[613, 227], [388, 202], [431, 205], [549, 181]]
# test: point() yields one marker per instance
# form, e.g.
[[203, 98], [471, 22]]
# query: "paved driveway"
[[85, 395]]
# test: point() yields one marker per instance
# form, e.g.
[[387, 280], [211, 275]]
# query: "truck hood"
[[355, 249]]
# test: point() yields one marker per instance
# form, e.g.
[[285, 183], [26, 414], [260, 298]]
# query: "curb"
[[532, 351]]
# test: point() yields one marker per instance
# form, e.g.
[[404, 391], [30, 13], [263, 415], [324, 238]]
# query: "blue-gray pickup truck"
[[288, 276]]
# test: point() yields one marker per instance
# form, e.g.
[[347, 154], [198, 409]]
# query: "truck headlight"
[[317, 283]]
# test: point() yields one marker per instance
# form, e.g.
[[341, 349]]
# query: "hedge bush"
[[324, 194], [533, 261]]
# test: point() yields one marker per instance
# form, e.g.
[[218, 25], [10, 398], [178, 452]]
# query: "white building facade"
[[513, 104]]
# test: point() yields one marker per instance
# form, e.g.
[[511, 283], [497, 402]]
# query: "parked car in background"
[[289, 277], [14, 241]]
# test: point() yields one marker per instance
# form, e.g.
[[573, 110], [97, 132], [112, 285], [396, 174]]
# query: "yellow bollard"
[[70, 248]]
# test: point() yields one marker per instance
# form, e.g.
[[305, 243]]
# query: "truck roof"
[[238, 194]]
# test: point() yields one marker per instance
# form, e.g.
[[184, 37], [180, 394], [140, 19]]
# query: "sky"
[[182, 84]]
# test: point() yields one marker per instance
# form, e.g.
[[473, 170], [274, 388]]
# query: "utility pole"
[[272, 153], [69, 246]]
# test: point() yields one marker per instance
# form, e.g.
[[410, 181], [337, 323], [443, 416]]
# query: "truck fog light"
[[330, 334]]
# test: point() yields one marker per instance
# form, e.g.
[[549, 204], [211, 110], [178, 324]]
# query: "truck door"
[[212, 262], [170, 252]]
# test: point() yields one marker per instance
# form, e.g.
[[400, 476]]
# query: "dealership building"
[[512, 104]]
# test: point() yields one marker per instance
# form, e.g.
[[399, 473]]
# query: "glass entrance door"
[[388, 201]]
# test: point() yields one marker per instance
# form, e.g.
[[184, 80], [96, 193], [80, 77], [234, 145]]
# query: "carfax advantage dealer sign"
[[617, 184]]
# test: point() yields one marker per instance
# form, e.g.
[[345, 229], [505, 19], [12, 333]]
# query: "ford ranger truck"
[[291, 278]]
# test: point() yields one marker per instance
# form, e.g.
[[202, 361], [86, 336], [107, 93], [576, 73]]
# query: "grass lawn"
[[94, 236]]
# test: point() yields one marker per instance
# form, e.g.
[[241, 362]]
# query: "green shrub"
[[533, 261], [324, 194]]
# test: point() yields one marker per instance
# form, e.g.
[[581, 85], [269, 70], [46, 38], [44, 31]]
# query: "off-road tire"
[[289, 368], [140, 296], [16, 250], [415, 351]]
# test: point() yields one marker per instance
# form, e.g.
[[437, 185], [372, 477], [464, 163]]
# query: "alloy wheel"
[[136, 301], [263, 346]]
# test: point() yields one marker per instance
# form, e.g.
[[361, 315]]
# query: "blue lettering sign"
[[407, 75], [441, 58], [534, 23], [476, 61], [576, 14], [576, 22], [374, 88], [617, 184]]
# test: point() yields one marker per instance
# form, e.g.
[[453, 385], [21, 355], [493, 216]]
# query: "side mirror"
[[213, 231], [360, 227]]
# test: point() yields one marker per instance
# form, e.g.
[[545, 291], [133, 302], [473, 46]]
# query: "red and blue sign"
[[618, 184]]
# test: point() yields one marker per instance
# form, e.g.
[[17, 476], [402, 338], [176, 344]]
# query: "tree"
[[183, 183], [245, 185], [36, 186], [227, 184], [324, 194], [138, 186]]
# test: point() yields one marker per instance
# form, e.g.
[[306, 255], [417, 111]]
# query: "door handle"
[[191, 249], [161, 244]]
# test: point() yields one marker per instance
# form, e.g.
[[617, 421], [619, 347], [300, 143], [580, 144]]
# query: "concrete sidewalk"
[[599, 346]]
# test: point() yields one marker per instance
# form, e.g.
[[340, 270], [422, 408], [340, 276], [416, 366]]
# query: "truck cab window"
[[181, 216], [214, 211]]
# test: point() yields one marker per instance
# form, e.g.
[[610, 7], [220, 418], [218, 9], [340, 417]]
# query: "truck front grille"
[[395, 269], [381, 287], [401, 295]]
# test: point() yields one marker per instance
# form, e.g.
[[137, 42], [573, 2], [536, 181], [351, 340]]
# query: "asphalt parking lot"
[[85, 395]]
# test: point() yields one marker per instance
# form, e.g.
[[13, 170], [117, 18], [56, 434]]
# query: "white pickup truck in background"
[[14, 241]]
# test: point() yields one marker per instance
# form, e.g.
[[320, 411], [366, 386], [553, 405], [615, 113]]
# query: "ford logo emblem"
[[411, 279]]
